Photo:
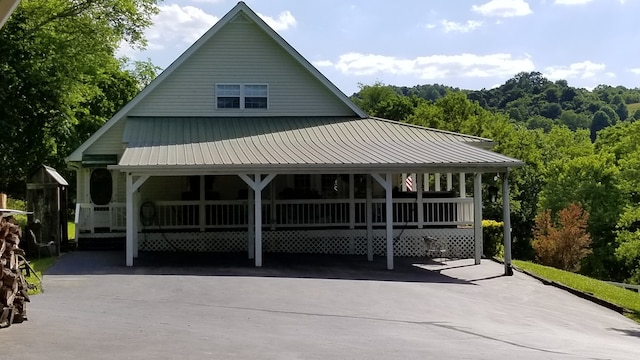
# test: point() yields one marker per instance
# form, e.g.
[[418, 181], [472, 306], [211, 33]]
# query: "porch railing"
[[282, 213]]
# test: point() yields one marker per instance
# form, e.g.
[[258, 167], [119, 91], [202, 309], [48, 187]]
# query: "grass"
[[627, 299], [632, 108], [40, 266], [71, 230]]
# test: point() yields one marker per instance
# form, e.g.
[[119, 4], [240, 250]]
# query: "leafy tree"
[[574, 120], [592, 181], [600, 121], [58, 68], [565, 244], [628, 238]]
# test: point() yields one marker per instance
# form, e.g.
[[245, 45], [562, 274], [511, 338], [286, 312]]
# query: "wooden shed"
[[47, 199]]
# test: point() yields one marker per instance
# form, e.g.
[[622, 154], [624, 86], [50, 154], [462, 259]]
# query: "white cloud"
[[282, 22], [208, 1], [431, 26], [636, 71], [451, 26], [431, 67], [503, 8], [572, 2], [178, 24], [583, 70]]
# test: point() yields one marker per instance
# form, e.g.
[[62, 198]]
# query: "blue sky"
[[463, 43]]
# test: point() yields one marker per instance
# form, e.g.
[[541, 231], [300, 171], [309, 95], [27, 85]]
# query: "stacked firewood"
[[13, 286]]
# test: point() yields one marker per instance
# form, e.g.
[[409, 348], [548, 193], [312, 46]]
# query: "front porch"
[[358, 219]]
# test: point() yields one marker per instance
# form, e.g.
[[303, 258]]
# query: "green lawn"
[[40, 266], [632, 108], [622, 297]]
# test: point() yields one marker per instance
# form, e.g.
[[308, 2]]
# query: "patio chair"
[[50, 247], [435, 248]]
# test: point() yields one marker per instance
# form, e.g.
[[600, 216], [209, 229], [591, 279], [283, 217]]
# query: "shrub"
[[492, 238], [565, 244]]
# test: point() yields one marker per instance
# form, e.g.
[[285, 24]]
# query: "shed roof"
[[289, 143]]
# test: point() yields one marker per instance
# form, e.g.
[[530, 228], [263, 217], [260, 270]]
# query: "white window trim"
[[242, 96]]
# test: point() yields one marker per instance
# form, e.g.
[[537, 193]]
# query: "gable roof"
[[240, 8], [324, 144]]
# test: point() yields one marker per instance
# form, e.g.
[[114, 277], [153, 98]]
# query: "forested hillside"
[[579, 146]]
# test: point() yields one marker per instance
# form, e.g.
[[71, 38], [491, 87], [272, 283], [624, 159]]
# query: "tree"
[[565, 244], [58, 67], [592, 181], [600, 121], [628, 238]]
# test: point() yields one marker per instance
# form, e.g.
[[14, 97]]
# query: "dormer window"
[[242, 96]]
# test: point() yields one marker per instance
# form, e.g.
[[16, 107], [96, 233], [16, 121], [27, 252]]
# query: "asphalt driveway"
[[304, 308]]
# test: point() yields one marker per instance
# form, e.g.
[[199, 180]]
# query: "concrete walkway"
[[300, 308]]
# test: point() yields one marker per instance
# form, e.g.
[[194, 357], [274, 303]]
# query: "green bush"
[[492, 238], [18, 204]]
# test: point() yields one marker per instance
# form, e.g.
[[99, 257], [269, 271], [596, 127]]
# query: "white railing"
[[320, 213], [90, 218]]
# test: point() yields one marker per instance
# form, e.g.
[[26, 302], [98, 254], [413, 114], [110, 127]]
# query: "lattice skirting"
[[408, 242]]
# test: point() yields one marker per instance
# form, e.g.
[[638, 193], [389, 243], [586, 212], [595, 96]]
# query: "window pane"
[[227, 90], [228, 102], [255, 103], [255, 90]]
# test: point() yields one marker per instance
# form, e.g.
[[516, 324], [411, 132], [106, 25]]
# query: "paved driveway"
[[94, 308]]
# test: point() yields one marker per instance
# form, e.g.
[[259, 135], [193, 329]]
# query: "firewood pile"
[[13, 286]]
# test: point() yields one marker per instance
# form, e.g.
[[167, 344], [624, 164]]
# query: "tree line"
[[597, 167]]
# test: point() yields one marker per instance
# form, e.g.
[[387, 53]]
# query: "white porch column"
[[257, 184], [136, 224], [352, 202], [132, 217], [387, 184], [130, 229], [202, 214], [369, 215], [250, 223], [437, 181], [463, 186], [477, 216], [419, 204], [506, 218], [449, 181], [427, 181]]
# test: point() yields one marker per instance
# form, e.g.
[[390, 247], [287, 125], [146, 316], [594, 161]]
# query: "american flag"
[[409, 183]]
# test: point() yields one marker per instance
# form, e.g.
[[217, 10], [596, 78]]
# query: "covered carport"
[[259, 149]]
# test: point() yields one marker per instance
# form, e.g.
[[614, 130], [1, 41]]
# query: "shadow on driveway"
[[237, 264]]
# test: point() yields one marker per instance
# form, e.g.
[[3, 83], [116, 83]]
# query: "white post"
[[387, 183], [257, 185], [257, 195], [427, 181], [449, 181], [506, 218], [419, 204], [352, 202], [403, 182], [389, 221], [477, 216], [202, 215], [272, 196], [250, 222], [369, 215], [136, 223], [437, 179], [463, 186], [130, 227]]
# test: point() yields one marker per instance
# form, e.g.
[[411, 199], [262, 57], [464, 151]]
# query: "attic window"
[[242, 96]]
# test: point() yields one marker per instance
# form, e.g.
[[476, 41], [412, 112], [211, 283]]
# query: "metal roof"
[[234, 143]]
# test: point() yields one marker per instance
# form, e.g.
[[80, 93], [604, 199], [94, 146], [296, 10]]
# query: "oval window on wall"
[[101, 186]]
